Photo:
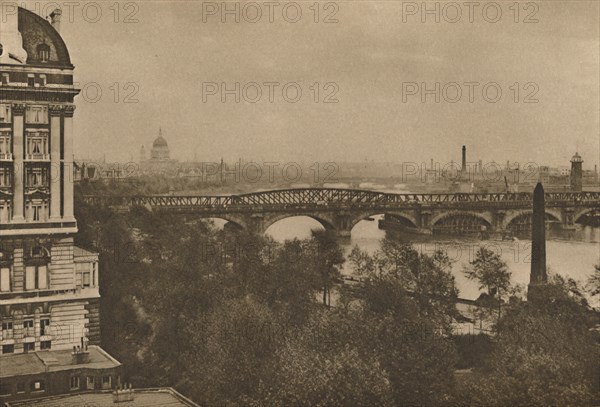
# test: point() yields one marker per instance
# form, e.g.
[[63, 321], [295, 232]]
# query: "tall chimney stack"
[[55, 19], [464, 159], [538, 276]]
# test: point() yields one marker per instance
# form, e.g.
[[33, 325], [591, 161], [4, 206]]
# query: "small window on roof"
[[43, 52]]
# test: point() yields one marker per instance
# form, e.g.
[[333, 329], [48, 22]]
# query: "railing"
[[6, 157], [323, 197], [37, 157]]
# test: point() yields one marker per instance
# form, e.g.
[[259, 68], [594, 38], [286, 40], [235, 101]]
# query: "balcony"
[[24, 297], [37, 157], [6, 157]]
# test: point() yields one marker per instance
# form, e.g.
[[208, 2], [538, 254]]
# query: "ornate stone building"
[[49, 294]]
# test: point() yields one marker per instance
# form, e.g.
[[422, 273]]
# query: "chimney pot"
[[55, 19]]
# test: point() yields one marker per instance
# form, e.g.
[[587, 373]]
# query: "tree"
[[594, 281], [491, 272], [544, 354], [328, 257]]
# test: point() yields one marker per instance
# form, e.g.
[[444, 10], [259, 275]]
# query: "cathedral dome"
[[159, 142]]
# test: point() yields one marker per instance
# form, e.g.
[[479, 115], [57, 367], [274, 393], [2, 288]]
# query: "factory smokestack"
[[464, 159]]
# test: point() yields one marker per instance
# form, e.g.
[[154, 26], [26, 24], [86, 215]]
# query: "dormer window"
[[43, 52]]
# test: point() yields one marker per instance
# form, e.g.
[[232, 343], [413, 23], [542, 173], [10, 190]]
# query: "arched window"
[[43, 52]]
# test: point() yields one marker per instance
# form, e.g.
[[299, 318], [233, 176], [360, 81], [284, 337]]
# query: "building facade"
[[49, 295]]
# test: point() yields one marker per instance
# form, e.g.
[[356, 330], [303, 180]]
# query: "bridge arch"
[[525, 215], [444, 215], [584, 212], [410, 219], [461, 222], [231, 220], [327, 223]]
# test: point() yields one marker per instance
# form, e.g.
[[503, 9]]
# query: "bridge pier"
[[342, 224], [568, 216]]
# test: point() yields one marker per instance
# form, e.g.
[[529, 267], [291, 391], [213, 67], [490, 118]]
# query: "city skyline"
[[168, 57]]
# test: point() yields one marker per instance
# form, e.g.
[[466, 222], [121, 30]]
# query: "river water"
[[573, 258]]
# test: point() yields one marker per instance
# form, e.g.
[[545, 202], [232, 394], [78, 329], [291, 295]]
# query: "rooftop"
[[161, 397], [80, 254], [51, 361]]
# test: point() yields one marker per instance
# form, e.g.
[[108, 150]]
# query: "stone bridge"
[[341, 209]]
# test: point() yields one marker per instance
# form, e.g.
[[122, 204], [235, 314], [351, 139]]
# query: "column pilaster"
[[68, 164], [55, 178], [18, 112]]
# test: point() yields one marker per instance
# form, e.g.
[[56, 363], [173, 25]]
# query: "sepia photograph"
[[345, 203]]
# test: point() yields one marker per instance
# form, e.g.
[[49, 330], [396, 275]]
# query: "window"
[[42, 80], [44, 324], [36, 144], [74, 382], [7, 326], [29, 346], [43, 52], [31, 81], [38, 385], [36, 114], [37, 177], [37, 211], [5, 113], [106, 381], [36, 277], [5, 144], [21, 387], [5, 177], [8, 349], [45, 345], [4, 279], [28, 328], [5, 389], [90, 385], [86, 278], [5, 79]]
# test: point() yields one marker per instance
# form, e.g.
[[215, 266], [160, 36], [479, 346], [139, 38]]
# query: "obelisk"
[[538, 276]]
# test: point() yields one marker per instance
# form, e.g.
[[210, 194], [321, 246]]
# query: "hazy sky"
[[369, 56]]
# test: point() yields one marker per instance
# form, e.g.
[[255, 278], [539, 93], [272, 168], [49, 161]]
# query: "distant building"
[[576, 173], [160, 149], [160, 157], [49, 293]]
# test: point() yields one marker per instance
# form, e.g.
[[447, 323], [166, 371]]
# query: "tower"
[[49, 294], [463, 168], [576, 173], [538, 276], [142, 154]]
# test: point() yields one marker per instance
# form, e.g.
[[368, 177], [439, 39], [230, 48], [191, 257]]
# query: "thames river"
[[573, 258]]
